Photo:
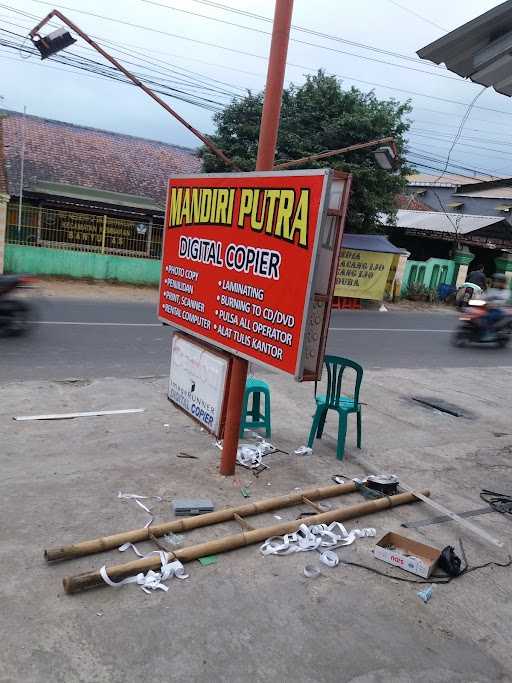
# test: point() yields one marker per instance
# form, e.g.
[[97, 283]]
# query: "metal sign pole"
[[266, 152]]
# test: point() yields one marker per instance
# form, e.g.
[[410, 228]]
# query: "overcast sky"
[[60, 92]]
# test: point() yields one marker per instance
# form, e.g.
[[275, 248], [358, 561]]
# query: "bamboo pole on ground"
[[187, 523], [75, 584]]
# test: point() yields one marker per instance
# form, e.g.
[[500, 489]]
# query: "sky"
[[194, 47]]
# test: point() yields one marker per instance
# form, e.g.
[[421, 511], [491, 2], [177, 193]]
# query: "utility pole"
[[269, 127], [22, 170]]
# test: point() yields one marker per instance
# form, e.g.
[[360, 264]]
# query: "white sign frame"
[[197, 381]]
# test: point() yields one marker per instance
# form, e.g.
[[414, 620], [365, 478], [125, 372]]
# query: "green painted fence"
[[430, 274], [80, 264]]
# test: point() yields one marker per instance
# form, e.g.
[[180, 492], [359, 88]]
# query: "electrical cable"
[[310, 31], [308, 44], [501, 502], [420, 16], [110, 72], [163, 89], [433, 579], [461, 127], [264, 58]]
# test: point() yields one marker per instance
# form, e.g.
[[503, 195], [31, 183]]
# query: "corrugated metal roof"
[[457, 49], [369, 243], [438, 221], [447, 180], [491, 193]]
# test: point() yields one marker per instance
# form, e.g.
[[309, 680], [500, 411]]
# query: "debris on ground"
[[207, 560], [189, 508], [303, 450], [71, 416], [312, 537], [425, 594]]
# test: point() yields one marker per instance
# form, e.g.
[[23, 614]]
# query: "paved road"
[[78, 338]]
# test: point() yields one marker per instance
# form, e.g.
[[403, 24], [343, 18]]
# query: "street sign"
[[248, 262], [197, 381]]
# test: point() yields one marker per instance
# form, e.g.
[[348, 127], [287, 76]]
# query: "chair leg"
[[314, 427], [255, 408], [342, 435], [268, 428], [321, 425], [359, 428]]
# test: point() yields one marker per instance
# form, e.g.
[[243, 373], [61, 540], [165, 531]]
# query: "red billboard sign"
[[238, 259]]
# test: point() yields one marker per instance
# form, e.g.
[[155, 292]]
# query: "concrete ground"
[[249, 617]]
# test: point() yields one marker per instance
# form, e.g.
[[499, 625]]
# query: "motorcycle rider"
[[495, 298], [477, 277]]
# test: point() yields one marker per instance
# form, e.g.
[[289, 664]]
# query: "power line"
[[300, 66], [177, 70], [296, 28], [242, 52], [302, 29], [416, 14], [109, 72]]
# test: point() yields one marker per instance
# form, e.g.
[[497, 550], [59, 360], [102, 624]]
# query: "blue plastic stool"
[[253, 418]]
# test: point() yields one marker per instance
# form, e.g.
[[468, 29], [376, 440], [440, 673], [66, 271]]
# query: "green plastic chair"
[[335, 400], [253, 418]]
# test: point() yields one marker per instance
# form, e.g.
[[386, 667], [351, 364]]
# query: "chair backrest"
[[335, 367]]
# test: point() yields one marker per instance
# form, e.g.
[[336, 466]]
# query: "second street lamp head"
[[385, 157]]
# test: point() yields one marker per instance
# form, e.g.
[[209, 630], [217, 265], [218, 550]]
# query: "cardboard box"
[[412, 556]]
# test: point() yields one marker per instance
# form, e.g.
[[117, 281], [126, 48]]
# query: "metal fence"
[[57, 229]]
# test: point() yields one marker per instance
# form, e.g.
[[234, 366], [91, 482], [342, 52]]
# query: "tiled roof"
[[409, 201], [64, 153]]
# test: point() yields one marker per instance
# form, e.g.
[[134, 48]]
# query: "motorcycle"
[[15, 312], [470, 330], [465, 293]]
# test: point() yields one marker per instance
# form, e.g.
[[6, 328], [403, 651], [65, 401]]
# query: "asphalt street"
[[79, 338]]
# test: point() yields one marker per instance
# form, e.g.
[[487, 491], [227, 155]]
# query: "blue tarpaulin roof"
[[369, 243]]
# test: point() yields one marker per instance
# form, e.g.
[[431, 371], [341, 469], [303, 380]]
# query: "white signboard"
[[197, 381]]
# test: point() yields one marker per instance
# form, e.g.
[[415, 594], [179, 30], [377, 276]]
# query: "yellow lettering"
[[206, 205], [300, 219], [246, 201], [271, 196], [196, 207], [257, 223], [175, 206], [222, 203], [185, 207], [231, 205], [284, 214]]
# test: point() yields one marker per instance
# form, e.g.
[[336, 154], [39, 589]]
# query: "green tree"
[[317, 116]]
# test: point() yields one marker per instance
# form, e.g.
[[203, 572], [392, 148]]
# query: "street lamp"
[[54, 42], [386, 157]]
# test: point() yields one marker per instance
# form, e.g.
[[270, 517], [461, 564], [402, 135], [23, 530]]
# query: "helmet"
[[499, 277]]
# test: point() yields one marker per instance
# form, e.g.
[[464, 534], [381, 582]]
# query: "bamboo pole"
[[75, 584], [187, 523]]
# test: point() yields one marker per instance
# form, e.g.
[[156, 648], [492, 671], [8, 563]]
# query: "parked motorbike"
[[470, 331], [465, 293], [15, 312]]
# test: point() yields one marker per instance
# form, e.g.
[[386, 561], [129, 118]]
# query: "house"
[[487, 196], [90, 197], [443, 245]]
